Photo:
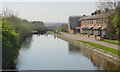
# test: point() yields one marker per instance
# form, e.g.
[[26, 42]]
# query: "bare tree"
[[108, 11]]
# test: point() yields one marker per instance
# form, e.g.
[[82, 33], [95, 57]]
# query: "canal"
[[47, 52]]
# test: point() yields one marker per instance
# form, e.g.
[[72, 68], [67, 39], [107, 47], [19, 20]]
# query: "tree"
[[108, 11], [10, 43], [14, 31], [64, 28], [116, 21]]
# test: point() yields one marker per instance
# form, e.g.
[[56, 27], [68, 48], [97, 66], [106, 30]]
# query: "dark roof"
[[104, 27], [87, 27], [97, 27], [75, 16], [92, 17]]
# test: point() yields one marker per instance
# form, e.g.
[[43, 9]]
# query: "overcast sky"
[[50, 11], [50, 0]]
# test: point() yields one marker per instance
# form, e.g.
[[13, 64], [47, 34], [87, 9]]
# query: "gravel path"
[[91, 40]]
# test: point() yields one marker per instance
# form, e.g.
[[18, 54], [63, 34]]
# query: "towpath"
[[75, 37]]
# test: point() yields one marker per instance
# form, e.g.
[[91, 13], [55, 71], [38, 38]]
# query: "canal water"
[[47, 52]]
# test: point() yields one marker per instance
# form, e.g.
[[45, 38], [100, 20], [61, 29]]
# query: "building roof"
[[93, 27], [104, 27], [75, 16], [92, 17], [74, 21]]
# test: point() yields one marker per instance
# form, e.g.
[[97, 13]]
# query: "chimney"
[[92, 13], [84, 15]]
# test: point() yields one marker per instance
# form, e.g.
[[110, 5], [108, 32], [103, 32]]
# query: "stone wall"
[[109, 56]]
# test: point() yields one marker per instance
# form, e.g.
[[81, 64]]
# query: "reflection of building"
[[72, 48], [98, 61]]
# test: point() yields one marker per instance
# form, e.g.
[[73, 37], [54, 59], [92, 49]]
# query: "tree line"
[[14, 32], [62, 28]]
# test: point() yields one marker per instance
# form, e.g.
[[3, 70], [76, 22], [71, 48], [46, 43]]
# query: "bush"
[[105, 40], [113, 42]]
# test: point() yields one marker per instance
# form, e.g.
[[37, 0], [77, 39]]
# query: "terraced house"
[[94, 26]]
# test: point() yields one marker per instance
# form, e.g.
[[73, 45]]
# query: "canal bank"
[[107, 55]]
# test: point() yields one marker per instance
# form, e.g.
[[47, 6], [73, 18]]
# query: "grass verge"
[[55, 33], [108, 49], [59, 34], [50, 31]]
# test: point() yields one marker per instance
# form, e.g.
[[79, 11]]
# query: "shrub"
[[112, 42]]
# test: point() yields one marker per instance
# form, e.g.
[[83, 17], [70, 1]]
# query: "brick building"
[[73, 23], [93, 26]]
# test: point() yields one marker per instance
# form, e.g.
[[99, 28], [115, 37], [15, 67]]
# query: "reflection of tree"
[[27, 42], [55, 37], [98, 62], [9, 56]]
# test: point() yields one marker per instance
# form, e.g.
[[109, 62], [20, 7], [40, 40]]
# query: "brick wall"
[[69, 29]]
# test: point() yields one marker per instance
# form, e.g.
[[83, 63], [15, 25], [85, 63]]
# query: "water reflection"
[[99, 62], [45, 52], [27, 43], [73, 49], [9, 56]]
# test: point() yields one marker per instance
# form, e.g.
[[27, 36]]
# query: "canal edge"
[[109, 56]]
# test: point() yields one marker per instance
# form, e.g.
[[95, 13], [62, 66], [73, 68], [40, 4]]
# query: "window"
[[92, 21], [99, 21], [96, 21], [105, 21], [102, 21], [85, 21]]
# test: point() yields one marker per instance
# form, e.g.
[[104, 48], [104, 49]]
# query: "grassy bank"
[[50, 31], [59, 34], [108, 49], [55, 33], [68, 33]]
